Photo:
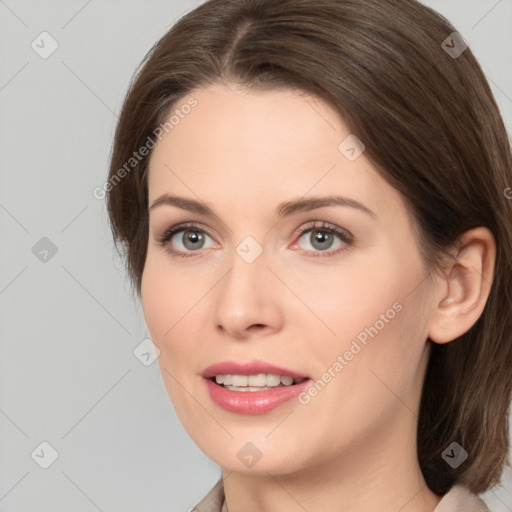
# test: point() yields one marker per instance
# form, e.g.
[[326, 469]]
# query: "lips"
[[250, 368], [252, 402]]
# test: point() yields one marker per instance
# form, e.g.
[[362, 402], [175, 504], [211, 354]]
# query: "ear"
[[460, 296]]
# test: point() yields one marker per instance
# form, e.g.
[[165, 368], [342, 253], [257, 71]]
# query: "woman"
[[311, 199]]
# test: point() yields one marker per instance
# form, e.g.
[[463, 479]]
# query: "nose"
[[249, 300]]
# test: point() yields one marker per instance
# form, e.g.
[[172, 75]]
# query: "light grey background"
[[68, 326]]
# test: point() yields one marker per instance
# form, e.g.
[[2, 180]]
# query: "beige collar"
[[458, 499]]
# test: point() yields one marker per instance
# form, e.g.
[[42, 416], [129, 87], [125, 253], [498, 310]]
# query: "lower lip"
[[253, 402]]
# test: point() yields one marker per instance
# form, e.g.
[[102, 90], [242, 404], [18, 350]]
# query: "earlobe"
[[461, 294]]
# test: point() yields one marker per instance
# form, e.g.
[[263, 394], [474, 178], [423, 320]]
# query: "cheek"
[[372, 319], [343, 303], [165, 294], [381, 378], [162, 303], [174, 313]]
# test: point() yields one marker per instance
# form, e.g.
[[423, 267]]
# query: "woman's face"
[[349, 310]]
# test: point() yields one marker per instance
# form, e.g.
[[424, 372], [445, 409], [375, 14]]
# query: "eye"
[[188, 238], [321, 237]]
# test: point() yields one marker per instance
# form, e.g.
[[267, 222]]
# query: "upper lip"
[[249, 368]]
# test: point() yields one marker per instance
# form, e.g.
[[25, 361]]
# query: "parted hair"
[[430, 126]]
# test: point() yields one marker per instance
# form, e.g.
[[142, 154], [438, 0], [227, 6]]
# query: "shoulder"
[[213, 501], [460, 498]]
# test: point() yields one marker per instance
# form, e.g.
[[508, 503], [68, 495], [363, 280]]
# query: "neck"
[[381, 473]]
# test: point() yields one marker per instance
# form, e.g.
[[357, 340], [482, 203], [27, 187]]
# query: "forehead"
[[239, 145]]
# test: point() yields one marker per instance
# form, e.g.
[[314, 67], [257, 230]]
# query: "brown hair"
[[431, 127]]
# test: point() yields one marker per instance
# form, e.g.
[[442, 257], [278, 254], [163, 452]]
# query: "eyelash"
[[344, 235]]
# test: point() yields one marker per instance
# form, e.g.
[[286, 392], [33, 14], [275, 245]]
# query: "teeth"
[[257, 380], [238, 380], [254, 382], [247, 388], [287, 381]]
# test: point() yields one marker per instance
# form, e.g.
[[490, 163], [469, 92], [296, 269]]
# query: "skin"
[[353, 446]]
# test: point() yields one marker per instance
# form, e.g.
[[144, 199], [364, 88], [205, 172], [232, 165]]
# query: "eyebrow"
[[284, 209]]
